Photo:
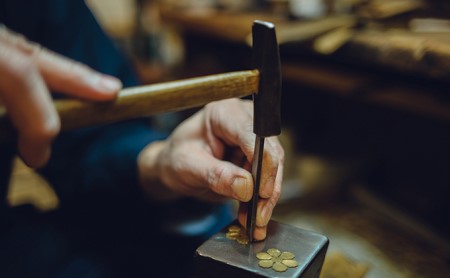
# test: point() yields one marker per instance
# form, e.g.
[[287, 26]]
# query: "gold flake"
[[277, 260], [234, 228], [274, 252], [265, 263], [287, 255], [263, 256], [279, 267], [243, 239], [238, 234], [290, 263]]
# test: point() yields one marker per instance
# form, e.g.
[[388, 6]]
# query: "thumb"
[[223, 177]]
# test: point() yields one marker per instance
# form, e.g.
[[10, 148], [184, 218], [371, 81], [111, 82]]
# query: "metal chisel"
[[266, 105]]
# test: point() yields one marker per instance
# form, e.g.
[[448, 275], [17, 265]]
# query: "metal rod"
[[256, 173]]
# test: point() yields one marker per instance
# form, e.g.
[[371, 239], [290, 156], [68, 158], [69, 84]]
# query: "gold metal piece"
[[290, 263], [232, 236], [273, 252], [277, 260], [263, 256], [279, 267], [238, 234], [243, 239], [287, 255], [265, 263], [234, 228]]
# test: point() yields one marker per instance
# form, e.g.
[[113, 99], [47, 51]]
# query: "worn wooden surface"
[[424, 53], [149, 100]]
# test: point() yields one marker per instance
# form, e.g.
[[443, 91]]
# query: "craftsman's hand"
[[209, 156], [27, 72]]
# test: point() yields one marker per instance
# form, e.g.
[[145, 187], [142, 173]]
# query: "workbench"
[[402, 57]]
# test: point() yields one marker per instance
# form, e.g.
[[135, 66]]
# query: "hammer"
[[264, 83]]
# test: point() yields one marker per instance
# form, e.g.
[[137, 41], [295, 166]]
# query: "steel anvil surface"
[[221, 257]]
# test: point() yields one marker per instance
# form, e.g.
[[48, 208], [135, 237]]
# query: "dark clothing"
[[68, 28], [103, 228]]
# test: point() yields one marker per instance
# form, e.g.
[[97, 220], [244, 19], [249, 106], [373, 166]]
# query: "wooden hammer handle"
[[148, 100]]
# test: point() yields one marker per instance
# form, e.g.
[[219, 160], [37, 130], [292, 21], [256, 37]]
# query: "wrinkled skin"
[[209, 156], [28, 72]]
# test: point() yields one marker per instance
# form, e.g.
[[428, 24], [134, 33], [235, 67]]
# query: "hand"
[[209, 156], [27, 72]]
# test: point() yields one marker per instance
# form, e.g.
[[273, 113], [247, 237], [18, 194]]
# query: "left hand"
[[209, 156]]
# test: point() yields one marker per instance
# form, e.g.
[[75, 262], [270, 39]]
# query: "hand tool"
[[266, 105], [225, 254], [147, 100], [264, 82]]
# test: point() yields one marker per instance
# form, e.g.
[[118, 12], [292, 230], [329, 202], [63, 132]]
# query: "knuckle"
[[78, 68], [21, 67], [178, 164], [45, 130], [275, 196], [216, 179]]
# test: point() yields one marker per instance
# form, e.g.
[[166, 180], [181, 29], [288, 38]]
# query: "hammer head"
[[266, 59]]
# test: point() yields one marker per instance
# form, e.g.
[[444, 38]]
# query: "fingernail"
[[239, 187], [109, 83]]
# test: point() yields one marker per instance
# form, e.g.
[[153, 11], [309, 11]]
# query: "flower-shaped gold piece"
[[277, 260], [238, 234]]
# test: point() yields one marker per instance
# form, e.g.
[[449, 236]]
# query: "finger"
[[29, 105], [62, 74], [222, 177], [260, 231], [231, 121], [266, 206], [270, 164], [76, 79]]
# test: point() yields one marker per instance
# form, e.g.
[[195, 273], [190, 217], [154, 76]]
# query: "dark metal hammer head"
[[266, 59]]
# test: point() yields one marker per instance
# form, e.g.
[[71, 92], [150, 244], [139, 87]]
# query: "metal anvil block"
[[220, 256]]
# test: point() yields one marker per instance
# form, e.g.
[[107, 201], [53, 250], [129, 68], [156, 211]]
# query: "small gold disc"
[[263, 256], [234, 228], [274, 252], [290, 263], [233, 233], [265, 263], [287, 255], [232, 236], [277, 260], [279, 267], [243, 239]]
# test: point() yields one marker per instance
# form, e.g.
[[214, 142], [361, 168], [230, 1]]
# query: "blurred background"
[[366, 115]]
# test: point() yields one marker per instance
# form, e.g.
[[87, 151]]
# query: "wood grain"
[[149, 100]]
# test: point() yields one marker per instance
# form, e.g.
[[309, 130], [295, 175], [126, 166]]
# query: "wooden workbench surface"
[[392, 53], [426, 54]]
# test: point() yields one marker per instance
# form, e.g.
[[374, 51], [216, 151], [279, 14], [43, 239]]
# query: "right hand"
[[27, 72]]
